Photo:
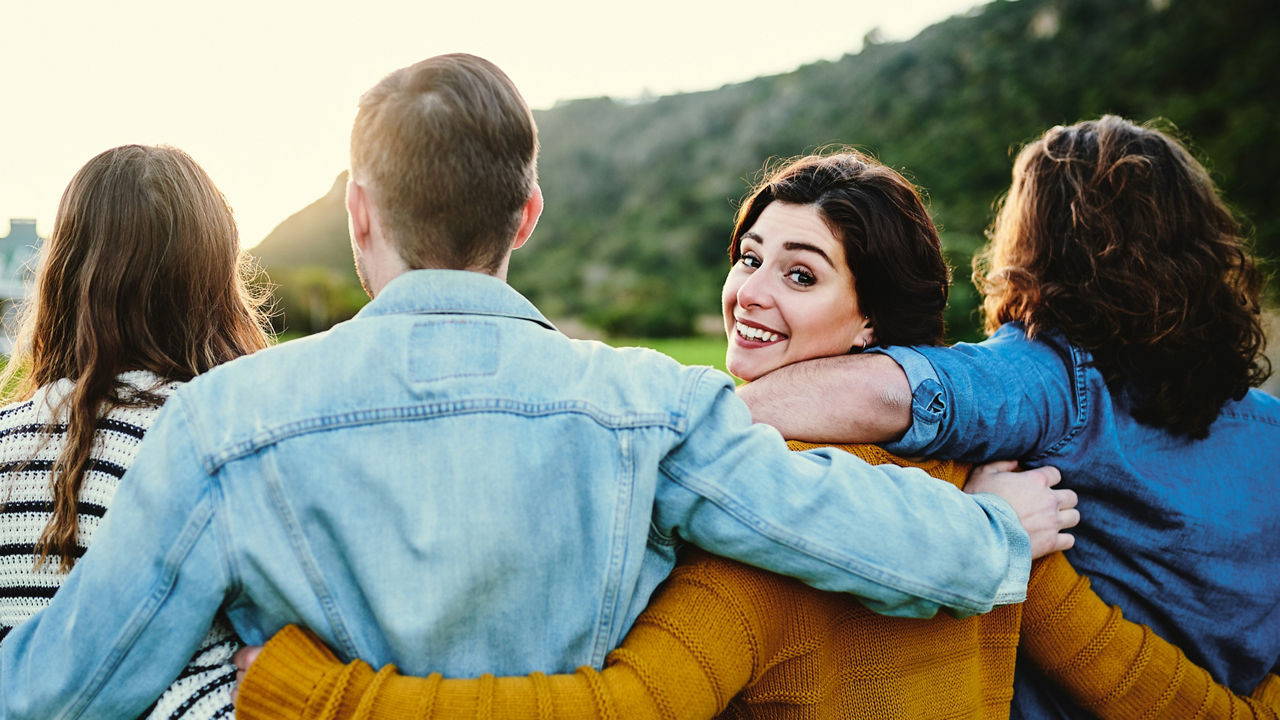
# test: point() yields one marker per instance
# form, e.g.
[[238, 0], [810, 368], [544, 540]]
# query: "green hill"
[[640, 195]]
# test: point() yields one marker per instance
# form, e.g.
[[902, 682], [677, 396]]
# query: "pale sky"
[[262, 93]]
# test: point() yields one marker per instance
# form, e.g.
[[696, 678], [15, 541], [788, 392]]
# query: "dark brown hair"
[[447, 148], [890, 243], [1113, 234], [142, 272]]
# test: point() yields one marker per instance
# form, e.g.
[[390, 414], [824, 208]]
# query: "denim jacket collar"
[[452, 292]]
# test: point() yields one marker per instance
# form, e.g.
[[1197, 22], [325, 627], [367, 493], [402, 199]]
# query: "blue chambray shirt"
[[1183, 535], [448, 483]]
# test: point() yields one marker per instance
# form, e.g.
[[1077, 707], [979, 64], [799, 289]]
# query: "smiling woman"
[[831, 254]]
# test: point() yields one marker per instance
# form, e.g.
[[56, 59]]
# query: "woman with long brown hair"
[[140, 287]]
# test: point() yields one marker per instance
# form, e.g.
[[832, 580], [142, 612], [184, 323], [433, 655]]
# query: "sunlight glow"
[[262, 93]]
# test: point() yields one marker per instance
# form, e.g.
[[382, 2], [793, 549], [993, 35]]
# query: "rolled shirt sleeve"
[[1006, 397]]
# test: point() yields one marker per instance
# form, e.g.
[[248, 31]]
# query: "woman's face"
[[790, 296]]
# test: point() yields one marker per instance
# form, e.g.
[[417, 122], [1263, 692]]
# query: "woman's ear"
[[866, 336]]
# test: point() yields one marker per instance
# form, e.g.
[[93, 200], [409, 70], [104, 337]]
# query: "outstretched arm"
[[844, 399], [697, 645], [1116, 668]]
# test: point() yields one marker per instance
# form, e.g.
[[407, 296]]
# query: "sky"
[[262, 92]]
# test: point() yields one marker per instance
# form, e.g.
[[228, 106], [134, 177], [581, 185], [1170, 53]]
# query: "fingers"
[[1064, 541], [1068, 518], [999, 466], [245, 656], [1050, 474], [1067, 499]]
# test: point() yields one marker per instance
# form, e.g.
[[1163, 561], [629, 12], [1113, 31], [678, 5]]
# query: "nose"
[[756, 290]]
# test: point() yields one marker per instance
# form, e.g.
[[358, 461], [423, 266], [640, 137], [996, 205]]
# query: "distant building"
[[18, 252], [17, 259]]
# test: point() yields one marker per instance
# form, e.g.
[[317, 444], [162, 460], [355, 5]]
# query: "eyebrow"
[[791, 246]]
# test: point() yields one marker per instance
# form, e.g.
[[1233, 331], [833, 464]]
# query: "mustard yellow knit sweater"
[[723, 639]]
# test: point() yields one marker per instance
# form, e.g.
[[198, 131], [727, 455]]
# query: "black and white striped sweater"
[[31, 438]]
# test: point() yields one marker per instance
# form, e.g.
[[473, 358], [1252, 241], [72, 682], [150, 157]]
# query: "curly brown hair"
[[890, 242], [1113, 234]]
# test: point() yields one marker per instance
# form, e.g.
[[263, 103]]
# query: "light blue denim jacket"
[[448, 483], [1183, 535]]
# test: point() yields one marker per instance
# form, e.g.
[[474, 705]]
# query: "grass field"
[[690, 351]]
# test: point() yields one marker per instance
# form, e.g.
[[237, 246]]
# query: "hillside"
[[640, 195]]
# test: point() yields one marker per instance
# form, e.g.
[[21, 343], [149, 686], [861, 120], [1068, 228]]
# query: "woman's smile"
[[749, 334]]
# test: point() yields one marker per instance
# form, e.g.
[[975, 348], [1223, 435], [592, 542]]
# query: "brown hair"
[[1116, 236], [143, 271], [890, 243], [447, 148]]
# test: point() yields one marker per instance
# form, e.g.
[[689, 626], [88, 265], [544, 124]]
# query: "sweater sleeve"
[[1116, 668], [204, 689], [695, 647]]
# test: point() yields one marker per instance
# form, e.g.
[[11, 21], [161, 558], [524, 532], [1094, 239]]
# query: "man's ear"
[[358, 214], [529, 217]]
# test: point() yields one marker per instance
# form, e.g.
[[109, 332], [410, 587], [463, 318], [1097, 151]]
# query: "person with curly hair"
[[1125, 348]]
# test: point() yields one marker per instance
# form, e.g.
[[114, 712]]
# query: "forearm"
[[689, 653], [1115, 668], [846, 399], [297, 677]]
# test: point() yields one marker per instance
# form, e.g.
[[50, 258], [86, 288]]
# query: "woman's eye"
[[802, 277], [750, 260]]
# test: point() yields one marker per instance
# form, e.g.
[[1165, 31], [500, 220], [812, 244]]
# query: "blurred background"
[[641, 186]]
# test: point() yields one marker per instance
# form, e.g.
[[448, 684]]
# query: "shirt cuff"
[[1014, 587], [928, 400]]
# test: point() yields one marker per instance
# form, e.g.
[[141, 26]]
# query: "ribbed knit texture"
[[31, 438], [1118, 669], [716, 628]]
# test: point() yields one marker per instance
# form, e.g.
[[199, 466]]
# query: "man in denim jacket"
[[448, 483]]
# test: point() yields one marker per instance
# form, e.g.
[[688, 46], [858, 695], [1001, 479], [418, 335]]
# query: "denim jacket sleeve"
[[1006, 397], [903, 542], [136, 606]]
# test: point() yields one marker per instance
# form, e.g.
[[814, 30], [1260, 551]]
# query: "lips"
[[755, 333]]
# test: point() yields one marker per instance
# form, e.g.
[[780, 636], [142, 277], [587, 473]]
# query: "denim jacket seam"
[[1080, 410], [844, 562], [1254, 417], [618, 552], [306, 561], [332, 421], [195, 525], [384, 312], [688, 394]]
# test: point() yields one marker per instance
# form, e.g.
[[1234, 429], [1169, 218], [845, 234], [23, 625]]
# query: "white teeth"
[[751, 333]]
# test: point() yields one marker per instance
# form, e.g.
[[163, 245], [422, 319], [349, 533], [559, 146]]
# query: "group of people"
[[448, 487]]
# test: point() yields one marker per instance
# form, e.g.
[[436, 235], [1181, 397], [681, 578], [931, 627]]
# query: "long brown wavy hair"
[[890, 242], [143, 271], [1113, 234]]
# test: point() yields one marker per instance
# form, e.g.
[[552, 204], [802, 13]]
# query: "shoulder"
[[1255, 408]]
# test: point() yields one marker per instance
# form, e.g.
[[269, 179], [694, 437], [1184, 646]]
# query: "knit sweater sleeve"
[[204, 689], [695, 647], [1118, 669]]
